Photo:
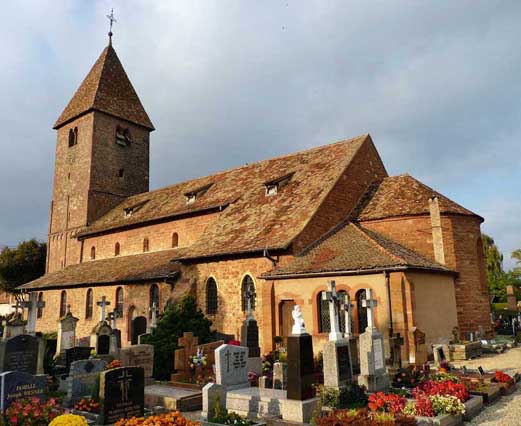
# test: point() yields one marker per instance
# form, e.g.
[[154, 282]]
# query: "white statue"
[[298, 326]]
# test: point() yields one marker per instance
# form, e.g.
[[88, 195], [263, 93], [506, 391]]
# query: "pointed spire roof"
[[108, 89]]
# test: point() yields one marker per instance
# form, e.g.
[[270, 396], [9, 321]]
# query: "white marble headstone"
[[231, 365]]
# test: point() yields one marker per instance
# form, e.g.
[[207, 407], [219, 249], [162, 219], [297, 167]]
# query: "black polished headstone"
[[17, 385], [344, 364], [76, 354], [103, 345], [250, 337], [300, 367], [122, 394], [21, 354]]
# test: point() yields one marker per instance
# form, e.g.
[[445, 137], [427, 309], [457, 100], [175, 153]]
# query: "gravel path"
[[507, 411]]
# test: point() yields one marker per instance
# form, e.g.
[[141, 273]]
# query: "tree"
[[22, 264], [493, 258], [516, 255], [178, 318]]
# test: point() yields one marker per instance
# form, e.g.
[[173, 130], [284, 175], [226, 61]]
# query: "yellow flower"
[[69, 420]]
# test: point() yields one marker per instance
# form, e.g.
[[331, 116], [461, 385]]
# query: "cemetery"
[[227, 380]]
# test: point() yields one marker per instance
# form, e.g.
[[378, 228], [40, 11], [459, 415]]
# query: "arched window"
[[175, 239], [92, 253], [89, 302], [146, 245], [119, 302], [362, 311], [73, 137], [39, 311], [324, 319], [117, 249], [63, 303], [211, 296], [247, 284], [154, 298]]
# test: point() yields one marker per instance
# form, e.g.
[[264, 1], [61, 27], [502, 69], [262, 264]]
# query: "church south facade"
[[283, 227]]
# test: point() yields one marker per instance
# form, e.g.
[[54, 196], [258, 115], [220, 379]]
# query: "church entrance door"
[[286, 320], [139, 326]]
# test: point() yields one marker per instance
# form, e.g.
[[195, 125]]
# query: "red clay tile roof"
[[252, 221], [351, 249], [108, 89], [121, 269], [402, 196]]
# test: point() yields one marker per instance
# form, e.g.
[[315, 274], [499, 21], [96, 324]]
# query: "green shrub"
[[177, 319]]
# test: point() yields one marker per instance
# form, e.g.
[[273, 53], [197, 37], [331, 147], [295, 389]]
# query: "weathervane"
[[112, 19]]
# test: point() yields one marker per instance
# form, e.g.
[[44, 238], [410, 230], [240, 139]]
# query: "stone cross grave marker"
[[370, 304], [18, 385], [332, 297], [187, 347], [116, 333], [22, 353], [419, 354], [153, 321], [373, 374], [32, 306], [250, 297], [347, 308], [82, 378], [103, 303], [231, 366], [66, 332], [122, 394]]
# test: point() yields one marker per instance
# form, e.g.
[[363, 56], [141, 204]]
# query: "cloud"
[[229, 82]]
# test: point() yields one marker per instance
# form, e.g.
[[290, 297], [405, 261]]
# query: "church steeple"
[[107, 89]]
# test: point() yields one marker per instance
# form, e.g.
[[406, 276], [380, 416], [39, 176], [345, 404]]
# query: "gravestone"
[[22, 353], [300, 360], [373, 373], [83, 375], [419, 355], [337, 358], [100, 339], [122, 394], [396, 348], [280, 375], [440, 353], [139, 327], [14, 327], [18, 385], [66, 332], [138, 356], [77, 353], [231, 366]]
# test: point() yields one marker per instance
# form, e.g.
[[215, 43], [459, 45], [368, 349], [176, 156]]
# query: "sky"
[[435, 83]]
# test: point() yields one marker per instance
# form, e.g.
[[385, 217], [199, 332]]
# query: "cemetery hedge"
[[177, 319]]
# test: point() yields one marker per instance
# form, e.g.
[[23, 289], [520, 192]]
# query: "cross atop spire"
[[112, 20]]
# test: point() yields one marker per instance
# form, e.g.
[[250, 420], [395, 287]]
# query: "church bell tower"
[[102, 155]]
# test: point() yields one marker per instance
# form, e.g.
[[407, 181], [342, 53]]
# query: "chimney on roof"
[[437, 232]]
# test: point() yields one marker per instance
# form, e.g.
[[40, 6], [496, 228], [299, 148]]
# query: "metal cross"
[[346, 306], [112, 20], [370, 304], [103, 304], [332, 297]]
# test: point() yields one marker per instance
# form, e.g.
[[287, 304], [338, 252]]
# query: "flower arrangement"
[[169, 419], [32, 412], [421, 406], [434, 405], [88, 405], [386, 402], [500, 377], [446, 388], [410, 376], [445, 376], [69, 420], [364, 418], [116, 363], [253, 378], [198, 360], [444, 366]]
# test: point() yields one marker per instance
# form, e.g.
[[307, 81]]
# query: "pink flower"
[[14, 420]]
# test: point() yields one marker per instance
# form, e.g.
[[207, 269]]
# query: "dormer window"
[[274, 186], [196, 193], [123, 136], [129, 211]]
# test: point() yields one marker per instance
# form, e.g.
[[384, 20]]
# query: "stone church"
[[283, 227]]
